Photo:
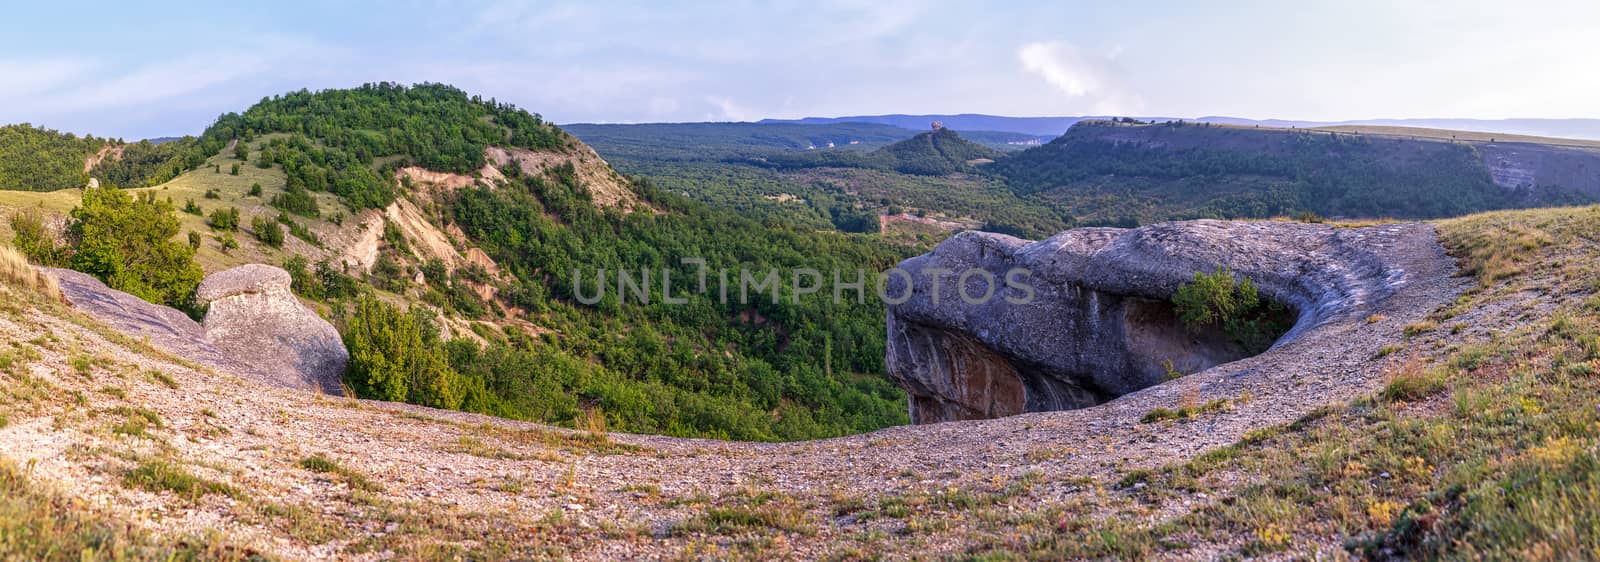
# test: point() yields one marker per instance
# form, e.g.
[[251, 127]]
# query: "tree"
[[267, 231], [394, 356], [234, 170], [224, 219], [128, 242], [35, 242]]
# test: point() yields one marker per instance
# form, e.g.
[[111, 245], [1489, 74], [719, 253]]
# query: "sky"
[[130, 70]]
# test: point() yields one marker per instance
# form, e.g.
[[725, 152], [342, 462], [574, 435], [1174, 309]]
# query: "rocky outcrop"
[[1087, 316], [253, 317], [162, 327], [254, 328]]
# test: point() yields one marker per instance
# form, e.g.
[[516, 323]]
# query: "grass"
[[1485, 449], [155, 475], [1184, 412], [320, 463], [1412, 382], [135, 420], [162, 379], [15, 271], [751, 509], [38, 524]]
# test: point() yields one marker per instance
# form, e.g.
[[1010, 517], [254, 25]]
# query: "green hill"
[[935, 153], [33, 159], [1102, 171]]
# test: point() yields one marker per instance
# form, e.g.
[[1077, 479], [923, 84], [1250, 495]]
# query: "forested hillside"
[[503, 333], [787, 174], [935, 153], [33, 159], [1130, 172]]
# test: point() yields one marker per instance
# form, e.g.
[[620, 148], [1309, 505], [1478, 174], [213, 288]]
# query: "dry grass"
[[15, 271], [38, 524], [1500, 464]]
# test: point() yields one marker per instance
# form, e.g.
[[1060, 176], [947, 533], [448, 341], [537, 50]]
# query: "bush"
[[395, 355], [227, 242], [267, 231], [1219, 300], [129, 243], [34, 242], [224, 219]]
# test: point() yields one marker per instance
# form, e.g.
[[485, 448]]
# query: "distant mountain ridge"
[[1577, 128]]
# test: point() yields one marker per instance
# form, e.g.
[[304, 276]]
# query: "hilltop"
[[1051, 127], [1138, 172]]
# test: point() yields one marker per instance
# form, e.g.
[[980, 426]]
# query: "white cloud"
[[727, 110], [24, 78], [1083, 77]]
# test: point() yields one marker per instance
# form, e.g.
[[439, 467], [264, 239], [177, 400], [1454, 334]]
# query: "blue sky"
[[130, 70]]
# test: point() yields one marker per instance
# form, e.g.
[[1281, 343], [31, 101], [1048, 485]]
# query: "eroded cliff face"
[[1084, 316]]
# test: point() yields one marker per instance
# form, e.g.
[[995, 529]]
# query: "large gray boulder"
[[1100, 324], [163, 327], [253, 317]]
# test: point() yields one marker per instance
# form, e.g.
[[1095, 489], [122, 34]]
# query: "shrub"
[[267, 231], [224, 219], [394, 356], [255, 188], [34, 242], [1219, 300], [129, 243], [299, 230]]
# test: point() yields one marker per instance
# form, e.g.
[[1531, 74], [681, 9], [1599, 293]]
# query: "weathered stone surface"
[[253, 317], [1099, 324], [254, 327], [163, 327]]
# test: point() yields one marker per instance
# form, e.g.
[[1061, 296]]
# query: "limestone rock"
[[253, 317], [162, 327], [1099, 324]]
